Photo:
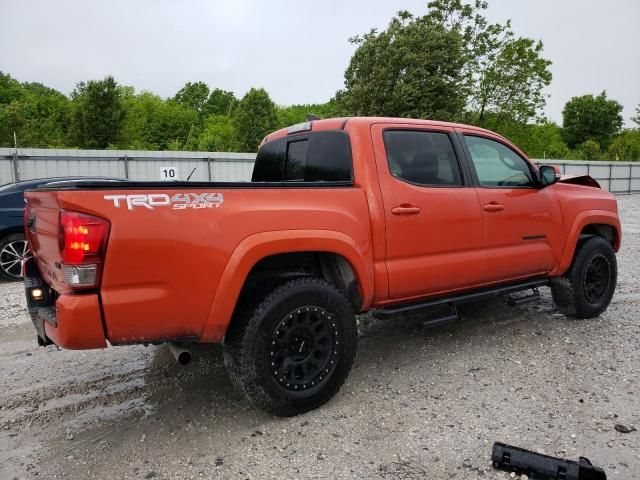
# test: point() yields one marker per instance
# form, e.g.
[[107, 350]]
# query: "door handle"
[[405, 210], [493, 207]]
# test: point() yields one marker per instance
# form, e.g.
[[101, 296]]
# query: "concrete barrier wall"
[[617, 177]]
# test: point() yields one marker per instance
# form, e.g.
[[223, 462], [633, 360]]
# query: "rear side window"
[[422, 158], [296, 163], [309, 157]]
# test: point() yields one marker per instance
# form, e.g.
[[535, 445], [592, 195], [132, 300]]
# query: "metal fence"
[[617, 177], [29, 163]]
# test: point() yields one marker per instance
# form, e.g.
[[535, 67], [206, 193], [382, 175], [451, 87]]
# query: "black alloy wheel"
[[303, 348], [597, 275], [586, 289], [289, 348]]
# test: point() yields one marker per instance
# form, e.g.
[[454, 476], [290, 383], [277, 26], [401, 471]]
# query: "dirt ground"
[[419, 403]]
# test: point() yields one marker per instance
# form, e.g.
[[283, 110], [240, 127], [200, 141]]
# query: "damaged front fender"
[[586, 180]]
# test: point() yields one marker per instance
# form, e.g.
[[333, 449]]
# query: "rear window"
[[309, 157]]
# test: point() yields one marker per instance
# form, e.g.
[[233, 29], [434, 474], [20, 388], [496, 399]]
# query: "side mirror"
[[549, 174]]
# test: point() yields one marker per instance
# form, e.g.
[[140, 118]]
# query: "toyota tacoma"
[[342, 216]]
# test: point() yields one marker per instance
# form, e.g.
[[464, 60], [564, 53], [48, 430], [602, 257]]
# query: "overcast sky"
[[296, 50]]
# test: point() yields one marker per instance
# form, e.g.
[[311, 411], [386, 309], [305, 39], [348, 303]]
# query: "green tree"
[[153, 123], [625, 147], [541, 140], [14, 117], [589, 150], [505, 74], [298, 113], [193, 138], [193, 95], [444, 62], [37, 114], [219, 135], [254, 117], [10, 89], [175, 145], [98, 113], [591, 118], [220, 102], [414, 68], [636, 119], [511, 80], [545, 141]]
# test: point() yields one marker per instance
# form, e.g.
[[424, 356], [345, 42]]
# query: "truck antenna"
[[192, 171]]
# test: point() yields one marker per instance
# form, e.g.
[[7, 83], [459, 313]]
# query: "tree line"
[[449, 64]]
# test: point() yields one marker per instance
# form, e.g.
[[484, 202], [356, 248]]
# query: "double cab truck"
[[342, 217]]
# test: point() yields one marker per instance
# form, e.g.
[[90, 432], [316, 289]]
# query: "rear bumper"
[[70, 321]]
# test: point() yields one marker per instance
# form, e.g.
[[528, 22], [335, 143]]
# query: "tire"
[[585, 291], [12, 250], [294, 350]]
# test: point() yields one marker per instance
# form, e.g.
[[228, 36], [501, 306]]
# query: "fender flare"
[[589, 217], [261, 245]]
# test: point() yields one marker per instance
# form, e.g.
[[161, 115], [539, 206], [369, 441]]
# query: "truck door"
[[521, 222], [432, 214]]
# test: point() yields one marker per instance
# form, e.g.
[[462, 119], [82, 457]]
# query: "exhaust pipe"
[[181, 354]]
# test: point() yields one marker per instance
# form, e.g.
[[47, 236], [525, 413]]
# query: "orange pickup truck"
[[342, 216]]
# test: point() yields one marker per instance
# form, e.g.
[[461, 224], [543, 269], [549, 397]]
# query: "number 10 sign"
[[168, 174]]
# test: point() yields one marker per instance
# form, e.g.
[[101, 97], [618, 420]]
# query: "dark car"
[[13, 245]]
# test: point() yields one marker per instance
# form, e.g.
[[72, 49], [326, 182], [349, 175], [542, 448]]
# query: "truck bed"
[[163, 265]]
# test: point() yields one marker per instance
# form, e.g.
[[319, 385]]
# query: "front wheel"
[[293, 352], [585, 291]]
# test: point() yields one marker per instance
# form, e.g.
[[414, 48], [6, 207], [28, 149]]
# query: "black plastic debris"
[[544, 467]]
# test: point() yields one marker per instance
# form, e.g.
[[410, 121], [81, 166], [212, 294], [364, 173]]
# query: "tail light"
[[83, 241]]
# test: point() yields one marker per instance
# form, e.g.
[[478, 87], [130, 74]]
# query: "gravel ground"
[[419, 403]]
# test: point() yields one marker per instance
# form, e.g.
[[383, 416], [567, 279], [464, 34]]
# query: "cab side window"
[[422, 158], [497, 165]]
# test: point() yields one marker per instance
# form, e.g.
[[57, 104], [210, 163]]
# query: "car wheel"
[[293, 352], [13, 248], [585, 291]]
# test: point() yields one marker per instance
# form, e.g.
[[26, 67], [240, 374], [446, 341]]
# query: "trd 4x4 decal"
[[179, 201]]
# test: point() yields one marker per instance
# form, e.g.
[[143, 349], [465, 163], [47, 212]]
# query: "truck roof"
[[340, 123]]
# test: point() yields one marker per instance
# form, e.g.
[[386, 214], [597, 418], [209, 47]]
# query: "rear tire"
[[13, 248], [292, 352], [585, 291]]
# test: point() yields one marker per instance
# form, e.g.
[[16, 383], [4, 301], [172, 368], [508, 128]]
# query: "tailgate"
[[42, 222], [160, 264]]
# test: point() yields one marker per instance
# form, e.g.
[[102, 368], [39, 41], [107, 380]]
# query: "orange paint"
[[177, 273]]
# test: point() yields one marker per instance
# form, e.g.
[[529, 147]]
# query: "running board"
[[448, 317], [519, 300], [466, 297]]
